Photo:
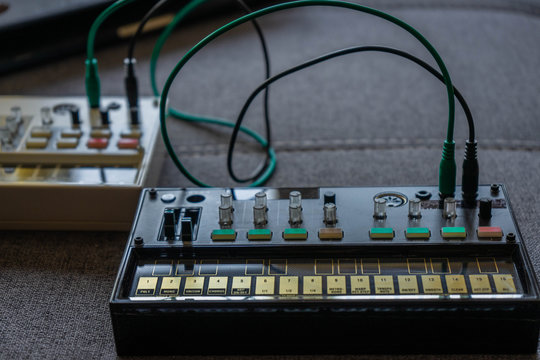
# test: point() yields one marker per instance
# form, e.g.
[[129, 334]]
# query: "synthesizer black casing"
[[326, 323]]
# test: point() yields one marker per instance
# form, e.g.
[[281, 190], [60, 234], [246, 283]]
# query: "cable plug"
[[469, 181], [447, 171], [132, 92], [93, 91]]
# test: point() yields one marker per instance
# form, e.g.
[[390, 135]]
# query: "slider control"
[[169, 224], [186, 229]]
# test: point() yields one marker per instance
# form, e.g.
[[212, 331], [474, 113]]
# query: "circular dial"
[[393, 199]]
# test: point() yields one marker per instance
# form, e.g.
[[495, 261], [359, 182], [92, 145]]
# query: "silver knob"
[[260, 216], [227, 200], [260, 199], [225, 215], [330, 214], [46, 117], [379, 208], [449, 208], [295, 214], [414, 208], [295, 198]]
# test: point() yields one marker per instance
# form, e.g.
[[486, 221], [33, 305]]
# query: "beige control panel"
[[90, 165]]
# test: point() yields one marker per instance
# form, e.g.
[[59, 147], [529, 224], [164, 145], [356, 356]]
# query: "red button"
[[489, 232], [128, 143], [97, 143]]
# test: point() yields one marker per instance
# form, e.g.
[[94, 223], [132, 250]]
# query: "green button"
[[417, 233], [259, 234], [295, 234], [223, 234], [381, 233], [453, 232]]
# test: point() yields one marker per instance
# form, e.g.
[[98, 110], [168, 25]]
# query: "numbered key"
[[264, 285], [312, 285], [336, 285], [194, 285], [384, 284], [241, 285], [480, 284], [217, 285], [170, 286], [288, 285], [432, 284], [146, 286], [360, 285], [408, 284], [504, 283]]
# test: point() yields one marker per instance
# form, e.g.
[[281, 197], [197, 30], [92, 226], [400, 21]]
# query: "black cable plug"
[[469, 181], [132, 92]]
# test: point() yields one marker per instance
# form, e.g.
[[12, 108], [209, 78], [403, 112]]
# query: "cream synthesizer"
[[65, 166], [324, 270]]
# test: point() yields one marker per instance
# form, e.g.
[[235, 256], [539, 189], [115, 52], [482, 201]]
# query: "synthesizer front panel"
[[65, 166], [347, 270]]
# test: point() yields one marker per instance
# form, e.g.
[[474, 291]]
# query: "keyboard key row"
[[327, 285]]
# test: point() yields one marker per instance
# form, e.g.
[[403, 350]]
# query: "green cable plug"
[[447, 170], [93, 91]]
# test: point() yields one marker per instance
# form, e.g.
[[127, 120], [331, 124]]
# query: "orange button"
[[489, 232], [128, 143], [97, 143]]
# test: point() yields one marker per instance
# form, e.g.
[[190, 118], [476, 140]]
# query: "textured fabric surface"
[[364, 119]]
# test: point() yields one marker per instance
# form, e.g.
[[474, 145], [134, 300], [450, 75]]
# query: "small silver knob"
[[379, 208], [330, 214], [449, 208]]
